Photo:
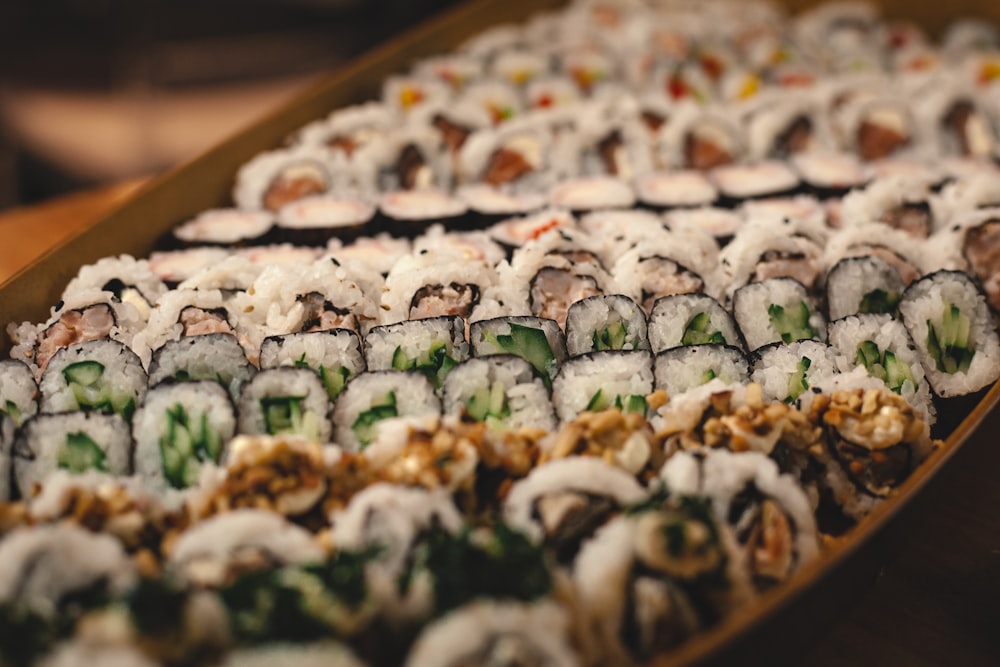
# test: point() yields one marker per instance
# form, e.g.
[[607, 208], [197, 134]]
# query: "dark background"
[[150, 54]]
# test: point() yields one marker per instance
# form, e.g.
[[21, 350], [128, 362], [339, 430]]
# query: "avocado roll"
[[215, 356], [101, 375], [777, 309], [75, 442], [679, 369], [538, 341], [605, 322], [690, 319], [18, 391], [285, 401], [432, 347], [335, 354], [602, 380], [376, 396], [502, 390]]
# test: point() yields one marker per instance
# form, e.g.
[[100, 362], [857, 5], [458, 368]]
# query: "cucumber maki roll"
[[691, 319], [538, 341], [951, 325], [75, 442], [216, 357], [603, 380], [18, 391], [100, 375], [862, 285], [285, 401], [335, 354], [605, 322], [486, 632], [502, 390], [682, 368], [786, 371], [179, 427], [432, 347], [376, 396], [563, 502], [777, 309]]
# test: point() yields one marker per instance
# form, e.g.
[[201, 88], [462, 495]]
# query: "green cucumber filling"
[[707, 376], [948, 340], [80, 453], [435, 363], [884, 366], [530, 344], [11, 410], [488, 403], [364, 425], [301, 362], [797, 383], [334, 379], [631, 403], [285, 414], [92, 391], [880, 301], [612, 337], [188, 442], [699, 331], [792, 324]]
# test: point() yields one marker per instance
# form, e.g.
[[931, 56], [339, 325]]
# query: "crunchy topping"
[[873, 419]]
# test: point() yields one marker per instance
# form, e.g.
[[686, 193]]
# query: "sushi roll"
[[326, 653], [8, 430], [315, 219], [75, 442], [602, 380], [502, 390], [767, 249], [563, 502], [606, 322], [18, 391], [828, 175], [349, 129], [905, 205], [432, 347], [538, 341], [432, 284], [768, 178], [179, 427], [285, 401], [335, 354], [690, 319], [649, 272], [130, 281], [102, 375], [950, 323], [409, 213], [376, 396], [786, 370], [680, 369], [224, 227], [699, 138], [979, 234], [777, 309], [862, 285], [592, 193], [679, 188], [216, 357], [175, 266], [275, 178]]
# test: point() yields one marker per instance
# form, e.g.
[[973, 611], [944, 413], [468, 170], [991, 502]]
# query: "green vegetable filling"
[[797, 383], [531, 345], [92, 391], [612, 337], [489, 404], [364, 425], [948, 340], [884, 366], [631, 403], [699, 331], [284, 414], [11, 410], [435, 363], [707, 376], [188, 442], [880, 301], [792, 324], [80, 453]]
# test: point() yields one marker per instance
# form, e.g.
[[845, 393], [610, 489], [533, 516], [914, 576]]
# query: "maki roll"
[[778, 309], [216, 357], [538, 341], [335, 354], [680, 369], [409, 213], [863, 285], [226, 227], [602, 380], [605, 322], [100, 375], [8, 430], [76, 442], [432, 346], [592, 193], [376, 396], [690, 319], [18, 391], [316, 219], [769, 178], [285, 401], [786, 370], [680, 188], [502, 390], [830, 175], [179, 427]]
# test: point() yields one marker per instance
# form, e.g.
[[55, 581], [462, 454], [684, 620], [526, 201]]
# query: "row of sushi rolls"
[[575, 343]]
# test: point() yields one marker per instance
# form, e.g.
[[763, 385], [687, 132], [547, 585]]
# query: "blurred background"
[[97, 91]]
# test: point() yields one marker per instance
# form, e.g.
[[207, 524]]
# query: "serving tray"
[[781, 623]]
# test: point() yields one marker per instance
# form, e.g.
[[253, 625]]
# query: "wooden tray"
[[781, 624]]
